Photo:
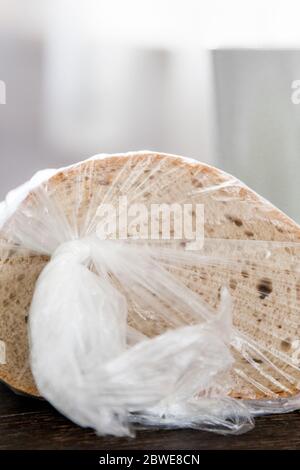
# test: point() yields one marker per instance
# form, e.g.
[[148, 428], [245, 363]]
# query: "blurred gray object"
[[258, 124]]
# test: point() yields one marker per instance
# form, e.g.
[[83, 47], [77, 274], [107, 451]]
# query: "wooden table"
[[27, 423]]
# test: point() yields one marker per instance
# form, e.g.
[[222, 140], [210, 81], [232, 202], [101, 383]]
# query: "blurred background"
[[208, 79]]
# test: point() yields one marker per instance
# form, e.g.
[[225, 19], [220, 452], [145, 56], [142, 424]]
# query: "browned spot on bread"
[[285, 344], [248, 233], [245, 274], [264, 287], [197, 183], [257, 360], [238, 222], [232, 284]]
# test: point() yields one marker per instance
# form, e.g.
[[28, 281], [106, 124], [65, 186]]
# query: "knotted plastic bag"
[[102, 373]]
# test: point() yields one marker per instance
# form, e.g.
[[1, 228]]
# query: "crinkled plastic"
[[100, 369]]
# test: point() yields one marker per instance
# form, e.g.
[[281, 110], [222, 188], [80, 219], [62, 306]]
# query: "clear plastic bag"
[[116, 336]]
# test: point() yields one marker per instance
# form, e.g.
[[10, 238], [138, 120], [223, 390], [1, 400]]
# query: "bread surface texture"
[[252, 249]]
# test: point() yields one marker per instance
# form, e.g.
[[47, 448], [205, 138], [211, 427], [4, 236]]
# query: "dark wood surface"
[[28, 423]]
